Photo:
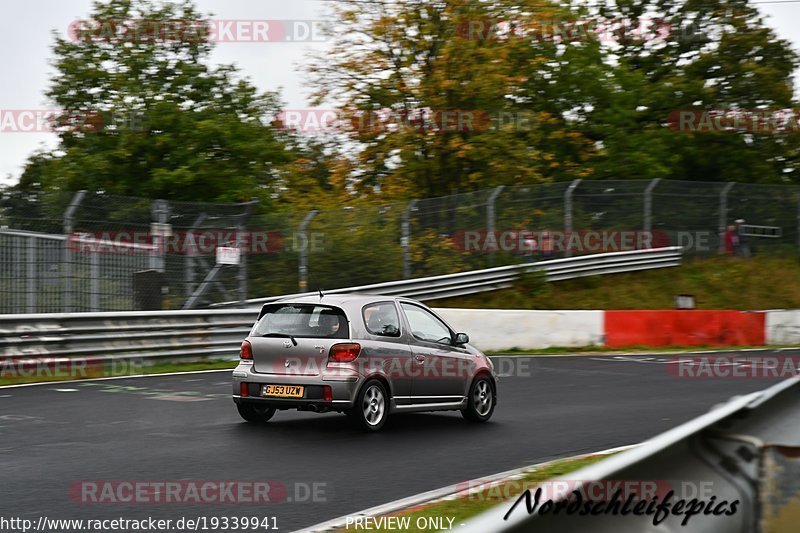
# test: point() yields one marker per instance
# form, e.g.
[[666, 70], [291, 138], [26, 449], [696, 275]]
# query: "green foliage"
[[410, 57], [533, 284], [718, 283], [168, 125]]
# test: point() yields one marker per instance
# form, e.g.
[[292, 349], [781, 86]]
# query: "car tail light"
[[344, 352], [244, 390], [246, 351], [327, 393]]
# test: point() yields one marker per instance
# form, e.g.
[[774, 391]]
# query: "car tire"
[[255, 414], [481, 400], [372, 406]]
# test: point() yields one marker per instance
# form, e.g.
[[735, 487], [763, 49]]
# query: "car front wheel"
[[254, 413], [372, 406], [481, 401]]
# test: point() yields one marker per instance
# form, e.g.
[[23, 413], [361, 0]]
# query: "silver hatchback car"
[[363, 355]]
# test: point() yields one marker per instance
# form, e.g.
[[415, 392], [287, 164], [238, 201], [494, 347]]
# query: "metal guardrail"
[[747, 450], [490, 279], [127, 335], [218, 333]]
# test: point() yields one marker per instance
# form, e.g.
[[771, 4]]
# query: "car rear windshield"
[[302, 320]]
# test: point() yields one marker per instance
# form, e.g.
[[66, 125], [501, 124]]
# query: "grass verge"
[[716, 283], [45, 374]]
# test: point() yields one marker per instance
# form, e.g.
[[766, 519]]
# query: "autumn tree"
[[416, 61]]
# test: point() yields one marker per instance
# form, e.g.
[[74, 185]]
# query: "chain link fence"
[[89, 251]]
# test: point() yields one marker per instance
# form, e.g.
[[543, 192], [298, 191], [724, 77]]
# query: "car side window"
[[426, 326], [382, 319]]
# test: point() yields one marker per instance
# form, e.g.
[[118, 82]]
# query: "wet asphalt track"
[[186, 427]]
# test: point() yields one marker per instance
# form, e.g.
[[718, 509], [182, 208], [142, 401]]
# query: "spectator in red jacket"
[[731, 240]]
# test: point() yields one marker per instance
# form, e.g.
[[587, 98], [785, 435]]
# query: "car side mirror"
[[461, 339]]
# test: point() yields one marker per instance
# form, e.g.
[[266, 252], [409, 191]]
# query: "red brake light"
[[246, 351], [344, 352]]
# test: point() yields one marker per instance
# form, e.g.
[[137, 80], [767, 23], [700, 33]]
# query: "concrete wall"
[[500, 329], [783, 326]]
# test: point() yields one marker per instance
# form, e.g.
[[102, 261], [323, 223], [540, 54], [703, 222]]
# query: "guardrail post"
[[568, 214], [302, 271], [490, 217], [723, 214], [648, 204], [405, 238], [66, 270]]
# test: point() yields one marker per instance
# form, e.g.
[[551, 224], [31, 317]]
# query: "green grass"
[[716, 283], [473, 504], [100, 371]]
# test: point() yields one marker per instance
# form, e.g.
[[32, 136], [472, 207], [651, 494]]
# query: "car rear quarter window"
[[302, 320], [381, 318]]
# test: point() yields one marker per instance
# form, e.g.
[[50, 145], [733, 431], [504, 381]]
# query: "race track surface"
[[185, 427]]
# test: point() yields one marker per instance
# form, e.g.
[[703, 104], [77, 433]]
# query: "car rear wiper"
[[283, 335]]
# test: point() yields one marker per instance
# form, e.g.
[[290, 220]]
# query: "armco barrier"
[[747, 450], [146, 335], [492, 279], [684, 328], [217, 334]]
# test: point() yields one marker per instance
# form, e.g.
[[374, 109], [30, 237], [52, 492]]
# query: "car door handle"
[[419, 358]]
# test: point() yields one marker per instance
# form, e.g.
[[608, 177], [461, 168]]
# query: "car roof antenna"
[[320, 294]]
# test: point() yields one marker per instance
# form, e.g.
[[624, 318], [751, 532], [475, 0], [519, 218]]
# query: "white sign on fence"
[[227, 255]]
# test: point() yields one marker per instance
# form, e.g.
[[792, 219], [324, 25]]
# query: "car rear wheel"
[[480, 402], [371, 407], [254, 413]]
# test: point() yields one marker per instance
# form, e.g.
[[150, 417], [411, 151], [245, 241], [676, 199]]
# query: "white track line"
[[442, 493]]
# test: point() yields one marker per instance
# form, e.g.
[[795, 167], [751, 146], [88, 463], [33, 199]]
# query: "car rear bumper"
[[344, 386]]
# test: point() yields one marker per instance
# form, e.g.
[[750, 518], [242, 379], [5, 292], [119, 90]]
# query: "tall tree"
[[701, 55], [166, 123], [417, 57]]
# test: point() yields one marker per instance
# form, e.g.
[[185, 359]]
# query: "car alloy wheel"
[[371, 406], [480, 403]]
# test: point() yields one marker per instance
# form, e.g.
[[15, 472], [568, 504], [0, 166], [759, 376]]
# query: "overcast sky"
[[25, 36]]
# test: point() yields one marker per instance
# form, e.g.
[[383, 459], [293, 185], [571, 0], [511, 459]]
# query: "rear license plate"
[[282, 391]]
